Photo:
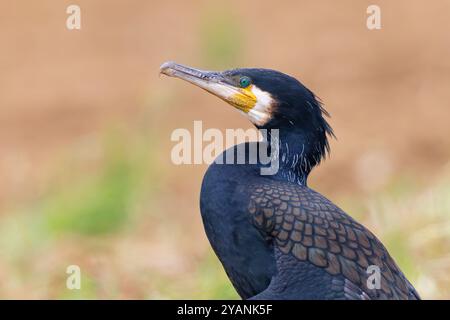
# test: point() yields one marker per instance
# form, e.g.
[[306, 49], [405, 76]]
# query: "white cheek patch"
[[261, 113]]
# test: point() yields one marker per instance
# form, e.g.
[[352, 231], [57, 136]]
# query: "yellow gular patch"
[[244, 100]]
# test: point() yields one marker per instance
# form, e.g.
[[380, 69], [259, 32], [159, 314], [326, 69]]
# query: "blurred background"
[[85, 124]]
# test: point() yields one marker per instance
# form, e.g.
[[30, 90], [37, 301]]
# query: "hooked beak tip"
[[167, 68]]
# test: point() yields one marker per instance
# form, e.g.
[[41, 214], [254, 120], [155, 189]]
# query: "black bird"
[[276, 237]]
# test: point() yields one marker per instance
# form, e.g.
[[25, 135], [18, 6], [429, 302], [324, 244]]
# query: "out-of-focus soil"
[[387, 90]]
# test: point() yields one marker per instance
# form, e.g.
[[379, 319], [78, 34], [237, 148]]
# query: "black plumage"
[[276, 237]]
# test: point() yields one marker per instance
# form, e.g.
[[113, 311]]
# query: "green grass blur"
[[221, 39], [95, 213]]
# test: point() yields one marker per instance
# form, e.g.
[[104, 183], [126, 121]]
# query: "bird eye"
[[244, 82]]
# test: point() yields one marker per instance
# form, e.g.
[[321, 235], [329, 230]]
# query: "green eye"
[[244, 82]]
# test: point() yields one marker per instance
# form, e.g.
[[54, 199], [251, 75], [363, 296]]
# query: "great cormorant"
[[276, 237]]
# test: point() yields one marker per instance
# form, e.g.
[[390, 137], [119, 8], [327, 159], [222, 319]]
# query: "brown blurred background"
[[85, 124]]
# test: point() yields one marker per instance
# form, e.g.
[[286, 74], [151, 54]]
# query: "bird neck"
[[298, 153]]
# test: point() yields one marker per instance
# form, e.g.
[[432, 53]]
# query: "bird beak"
[[214, 82]]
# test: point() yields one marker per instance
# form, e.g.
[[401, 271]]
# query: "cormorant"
[[275, 237]]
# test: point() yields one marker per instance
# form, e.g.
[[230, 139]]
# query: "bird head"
[[269, 99]]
